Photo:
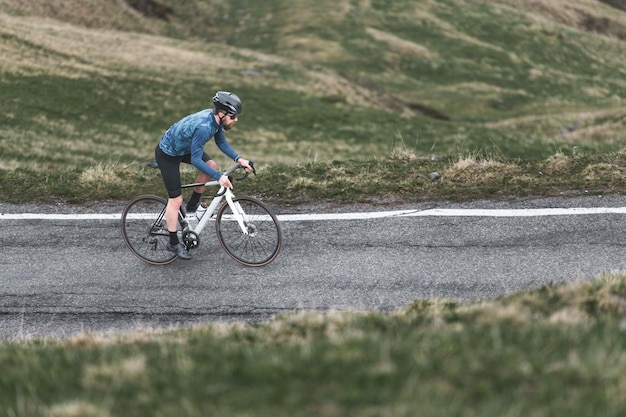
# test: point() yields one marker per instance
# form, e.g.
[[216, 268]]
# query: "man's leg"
[[171, 218], [192, 204], [170, 171], [171, 213]]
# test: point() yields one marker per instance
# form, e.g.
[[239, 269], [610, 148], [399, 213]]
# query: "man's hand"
[[244, 163], [225, 182]]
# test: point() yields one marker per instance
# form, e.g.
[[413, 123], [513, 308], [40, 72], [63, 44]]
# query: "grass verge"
[[399, 177]]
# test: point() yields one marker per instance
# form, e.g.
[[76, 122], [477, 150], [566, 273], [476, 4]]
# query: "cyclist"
[[184, 142]]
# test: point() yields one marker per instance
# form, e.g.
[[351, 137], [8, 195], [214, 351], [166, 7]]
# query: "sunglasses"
[[233, 116]]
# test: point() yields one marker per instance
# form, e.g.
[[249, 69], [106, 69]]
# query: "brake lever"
[[246, 173]]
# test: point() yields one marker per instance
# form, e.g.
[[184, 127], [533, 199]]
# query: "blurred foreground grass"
[[557, 350]]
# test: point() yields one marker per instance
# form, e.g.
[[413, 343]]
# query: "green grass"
[[318, 82], [556, 350]]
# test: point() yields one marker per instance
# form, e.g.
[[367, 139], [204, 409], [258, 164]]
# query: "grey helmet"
[[228, 102]]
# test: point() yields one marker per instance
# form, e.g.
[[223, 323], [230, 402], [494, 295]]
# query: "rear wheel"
[[144, 230], [259, 242]]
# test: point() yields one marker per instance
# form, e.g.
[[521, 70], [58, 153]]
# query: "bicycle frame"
[[212, 208], [226, 193]]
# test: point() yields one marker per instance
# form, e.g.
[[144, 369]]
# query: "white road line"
[[363, 215], [44, 216], [456, 213]]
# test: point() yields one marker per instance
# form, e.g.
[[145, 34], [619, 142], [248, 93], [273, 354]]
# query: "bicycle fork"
[[240, 215]]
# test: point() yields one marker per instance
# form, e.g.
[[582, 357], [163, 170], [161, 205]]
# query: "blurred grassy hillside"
[[85, 81]]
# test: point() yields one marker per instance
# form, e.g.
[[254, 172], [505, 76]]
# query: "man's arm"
[[224, 146], [198, 141]]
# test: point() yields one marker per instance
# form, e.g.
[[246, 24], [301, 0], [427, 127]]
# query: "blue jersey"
[[189, 135]]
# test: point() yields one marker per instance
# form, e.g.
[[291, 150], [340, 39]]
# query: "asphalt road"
[[63, 277]]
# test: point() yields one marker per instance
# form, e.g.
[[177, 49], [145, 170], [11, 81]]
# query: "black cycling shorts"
[[170, 169]]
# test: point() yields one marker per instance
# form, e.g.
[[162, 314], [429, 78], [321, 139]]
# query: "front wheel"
[[251, 235], [144, 229]]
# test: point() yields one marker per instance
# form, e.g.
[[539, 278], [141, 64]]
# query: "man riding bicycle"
[[184, 142]]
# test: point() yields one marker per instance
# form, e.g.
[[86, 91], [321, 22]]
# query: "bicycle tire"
[[144, 229], [264, 239]]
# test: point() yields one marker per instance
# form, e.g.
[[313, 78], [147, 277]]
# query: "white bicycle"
[[246, 228]]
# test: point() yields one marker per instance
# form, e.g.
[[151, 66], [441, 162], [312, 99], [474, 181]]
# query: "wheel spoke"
[[144, 230], [260, 243]]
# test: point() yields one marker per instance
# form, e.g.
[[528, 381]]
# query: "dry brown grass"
[[109, 14], [401, 46], [36, 45], [565, 12], [471, 170], [449, 30], [73, 51], [557, 163], [76, 408], [603, 172]]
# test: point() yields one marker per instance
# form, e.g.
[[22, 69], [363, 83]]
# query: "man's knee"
[[176, 201]]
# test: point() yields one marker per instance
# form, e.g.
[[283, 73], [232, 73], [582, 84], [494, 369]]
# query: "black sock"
[[194, 199], [173, 238]]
